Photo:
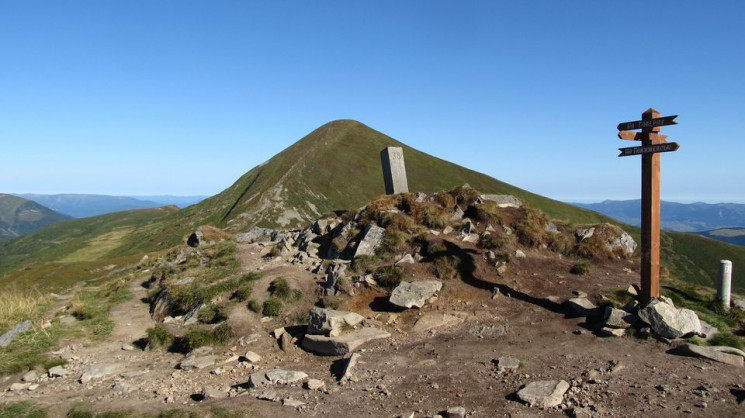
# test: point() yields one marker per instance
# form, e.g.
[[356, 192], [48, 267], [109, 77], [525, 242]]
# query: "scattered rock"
[[122, 387], [17, 387], [9, 336], [618, 318], [707, 331], [209, 392], [323, 321], [371, 240], [407, 259], [456, 412], [668, 321], [612, 332], [197, 362], [67, 320], [414, 294], [315, 384], [431, 320], [294, 403], [342, 344], [57, 371], [520, 254], [254, 234], [252, 357], [30, 376], [502, 200], [507, 363], [352, 360], [727, 355], [543, 394], [583, 307], [99, 371], [283, 377], [488, 331]]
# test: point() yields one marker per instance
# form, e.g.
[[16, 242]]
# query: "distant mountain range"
[[87, 205], [19, 216], [692, 217]]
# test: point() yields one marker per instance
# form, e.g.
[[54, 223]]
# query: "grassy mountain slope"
[[80, 249], [338, 166], [335, 167], [19, 216]]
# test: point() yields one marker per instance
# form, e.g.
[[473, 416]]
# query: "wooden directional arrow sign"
[[648, 149], [651, 123]]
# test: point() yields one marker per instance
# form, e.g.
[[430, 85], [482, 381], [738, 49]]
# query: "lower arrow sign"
[[648, 149]]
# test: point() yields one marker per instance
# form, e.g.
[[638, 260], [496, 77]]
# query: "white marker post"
[[724, 284]]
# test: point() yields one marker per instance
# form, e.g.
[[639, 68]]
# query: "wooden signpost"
[[652, 145]]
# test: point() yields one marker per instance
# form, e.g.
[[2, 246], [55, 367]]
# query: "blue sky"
[[183, 97]]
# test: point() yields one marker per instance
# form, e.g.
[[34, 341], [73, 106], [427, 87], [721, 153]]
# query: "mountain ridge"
[[19, 216]]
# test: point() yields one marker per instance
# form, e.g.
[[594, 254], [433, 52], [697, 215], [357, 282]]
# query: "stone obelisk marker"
[[394, 170]]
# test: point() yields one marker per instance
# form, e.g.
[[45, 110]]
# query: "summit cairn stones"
[[394, 170]]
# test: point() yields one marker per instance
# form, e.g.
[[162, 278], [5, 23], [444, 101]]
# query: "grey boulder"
[[544, 394], [414, 294], [669, 322]]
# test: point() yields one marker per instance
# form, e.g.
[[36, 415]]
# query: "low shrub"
[[272, 307], [393, 241], [492, 242], [446, 267], [364, 264], [212, 314], [388, 276], [583, 267], [243, 292], [157, 337], [728, 339], [254, 305]]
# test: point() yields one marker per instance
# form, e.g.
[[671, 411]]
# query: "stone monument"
[[394, 170]]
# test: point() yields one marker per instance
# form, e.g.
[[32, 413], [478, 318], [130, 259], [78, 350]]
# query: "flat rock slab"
[[9, 336], [583, 306], [727, 355], [669, 322], [198, 362], [99, 371], [503, 200], [342, 344], [414, 294], [432, 320], [323, 321], [544, 394], [57, 371]]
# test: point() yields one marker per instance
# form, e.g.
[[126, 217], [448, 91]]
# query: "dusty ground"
[[421, 372]]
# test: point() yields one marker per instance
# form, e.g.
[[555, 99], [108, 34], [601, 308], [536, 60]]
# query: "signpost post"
[[652, 145]]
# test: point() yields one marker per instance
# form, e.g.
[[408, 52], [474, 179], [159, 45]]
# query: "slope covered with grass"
[[19, 216]]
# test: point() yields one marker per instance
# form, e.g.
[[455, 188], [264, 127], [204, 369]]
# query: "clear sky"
[[183, 97]]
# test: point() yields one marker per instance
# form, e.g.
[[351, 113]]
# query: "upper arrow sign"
[[639, 124], [642, 136]]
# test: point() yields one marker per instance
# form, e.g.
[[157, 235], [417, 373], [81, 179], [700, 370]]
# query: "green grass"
[[272, 307], [581, 268], [22, 410]]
